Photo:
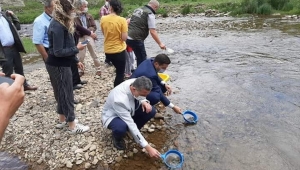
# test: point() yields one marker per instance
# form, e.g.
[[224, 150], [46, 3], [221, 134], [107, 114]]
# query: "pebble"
[[87, 147], [86, 156], [150, 130], [78, 107], [78, 162], [118, 159], [69, 164], [93, 147], [87, 165], [79, 151], [135, 150], [95, 161]]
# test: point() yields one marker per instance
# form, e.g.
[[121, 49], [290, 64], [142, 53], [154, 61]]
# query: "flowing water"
[[242, 78]]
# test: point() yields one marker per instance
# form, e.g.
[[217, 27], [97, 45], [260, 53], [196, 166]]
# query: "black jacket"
[[14, 25], [62, 48]]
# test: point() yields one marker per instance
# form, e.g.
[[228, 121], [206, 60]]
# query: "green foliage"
[[186, 10], [265, 9], [29, 46], [266, 6], [163, 12], [278, 4], [288, 7]]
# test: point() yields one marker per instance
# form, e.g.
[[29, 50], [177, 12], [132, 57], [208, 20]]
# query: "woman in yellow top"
[[114, 29]]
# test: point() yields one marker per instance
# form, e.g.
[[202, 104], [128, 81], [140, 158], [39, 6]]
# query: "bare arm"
[[156, 38], [42, 51]]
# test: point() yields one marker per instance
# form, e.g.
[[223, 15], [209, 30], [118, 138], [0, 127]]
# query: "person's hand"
[[177, 109], [93, 35], [146, 107], [128, 21], [162, 46], [80, 66], [2, 74], [12, 96], [81, 46], [169, 89], [152, 152]]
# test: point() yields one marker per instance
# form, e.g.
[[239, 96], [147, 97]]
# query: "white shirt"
[[6, 36]]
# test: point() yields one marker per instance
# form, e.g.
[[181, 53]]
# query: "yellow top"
[[112, 27]]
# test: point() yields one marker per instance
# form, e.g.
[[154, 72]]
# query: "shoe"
[[28, 87], [77, 86], [79, 128], [83, 82], [61, 125], [119, 144]]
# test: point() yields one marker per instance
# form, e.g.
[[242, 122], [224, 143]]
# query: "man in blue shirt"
[[40, 29], [149, 68]]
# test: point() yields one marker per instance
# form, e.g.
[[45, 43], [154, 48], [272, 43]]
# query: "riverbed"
[[241, 77]]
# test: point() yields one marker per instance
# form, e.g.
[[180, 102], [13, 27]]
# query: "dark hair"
[[67, 5], [162, 59], [116, 6]]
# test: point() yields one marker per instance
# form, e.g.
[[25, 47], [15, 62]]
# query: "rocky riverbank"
[[32, 136]]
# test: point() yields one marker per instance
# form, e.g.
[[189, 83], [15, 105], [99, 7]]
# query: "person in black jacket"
[[11, 46], [62, 52]]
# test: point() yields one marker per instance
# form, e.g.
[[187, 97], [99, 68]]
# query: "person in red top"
[[104, 10]]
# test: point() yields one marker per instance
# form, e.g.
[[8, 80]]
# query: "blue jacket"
[[146, 68]]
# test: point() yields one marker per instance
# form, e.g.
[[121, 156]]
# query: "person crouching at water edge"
[[126, 108]]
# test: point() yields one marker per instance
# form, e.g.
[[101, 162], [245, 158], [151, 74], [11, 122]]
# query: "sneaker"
[[119, 144], [61, 125], [79, 128]]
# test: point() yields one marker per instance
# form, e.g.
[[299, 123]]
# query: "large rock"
[[12, 3]]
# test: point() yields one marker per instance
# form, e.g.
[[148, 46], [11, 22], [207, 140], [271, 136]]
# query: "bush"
[[249, 6], [163, 12], [278, 4], [288, 6], [186, 10], [265, 9]]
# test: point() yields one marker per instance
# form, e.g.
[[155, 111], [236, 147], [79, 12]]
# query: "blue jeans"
[[140, 118], [138, 49]]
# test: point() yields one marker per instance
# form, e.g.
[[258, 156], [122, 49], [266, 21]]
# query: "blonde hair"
[[60, 13]]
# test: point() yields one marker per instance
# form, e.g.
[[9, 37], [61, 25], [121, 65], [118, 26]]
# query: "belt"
[[8, 46]]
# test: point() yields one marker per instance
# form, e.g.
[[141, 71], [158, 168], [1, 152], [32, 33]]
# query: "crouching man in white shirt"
[[126, 108]]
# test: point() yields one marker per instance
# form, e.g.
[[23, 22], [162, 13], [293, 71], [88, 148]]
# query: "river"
[[241, 76]]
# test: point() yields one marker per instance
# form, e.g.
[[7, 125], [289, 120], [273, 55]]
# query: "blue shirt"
[[40, 30], [6, 36]]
